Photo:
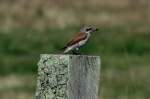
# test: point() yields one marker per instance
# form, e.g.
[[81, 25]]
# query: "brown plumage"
[[78, 37]]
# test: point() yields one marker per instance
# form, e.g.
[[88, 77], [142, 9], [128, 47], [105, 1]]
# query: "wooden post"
[[68, 77]]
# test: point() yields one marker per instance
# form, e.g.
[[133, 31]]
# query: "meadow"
[[125, 58], [123, 43]]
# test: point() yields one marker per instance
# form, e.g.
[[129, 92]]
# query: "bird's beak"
[[95, 29]]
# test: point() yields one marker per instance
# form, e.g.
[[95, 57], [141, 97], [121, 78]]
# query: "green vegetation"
[[30, 28], [125, 57]]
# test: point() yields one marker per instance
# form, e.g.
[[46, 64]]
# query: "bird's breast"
[[82, 42]]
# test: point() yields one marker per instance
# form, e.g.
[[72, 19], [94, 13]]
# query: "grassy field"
[[125, 60]]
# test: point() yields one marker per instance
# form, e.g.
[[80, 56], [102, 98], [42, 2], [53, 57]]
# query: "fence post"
[[68, 77]]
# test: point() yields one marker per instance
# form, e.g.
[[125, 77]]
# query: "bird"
[[79, 39]]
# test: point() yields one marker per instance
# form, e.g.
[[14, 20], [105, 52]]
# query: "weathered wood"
[[68, 77]]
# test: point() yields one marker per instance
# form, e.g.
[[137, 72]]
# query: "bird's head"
[[88, 29]]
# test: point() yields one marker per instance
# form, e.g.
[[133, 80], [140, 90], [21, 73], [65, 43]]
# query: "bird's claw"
[[76, 52]]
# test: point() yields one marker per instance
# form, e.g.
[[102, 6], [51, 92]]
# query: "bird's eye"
[[88, 29]]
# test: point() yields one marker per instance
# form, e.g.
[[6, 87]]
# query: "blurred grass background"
[[31, 27]]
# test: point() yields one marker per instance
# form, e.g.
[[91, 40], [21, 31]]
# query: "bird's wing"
[[80, 36]]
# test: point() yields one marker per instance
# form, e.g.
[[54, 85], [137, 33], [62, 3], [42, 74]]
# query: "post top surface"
[[69, 55]]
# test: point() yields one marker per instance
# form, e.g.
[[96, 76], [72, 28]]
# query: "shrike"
[[79, 39]]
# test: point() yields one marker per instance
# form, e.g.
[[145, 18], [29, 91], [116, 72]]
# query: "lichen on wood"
[[52, 77], [68, 77]]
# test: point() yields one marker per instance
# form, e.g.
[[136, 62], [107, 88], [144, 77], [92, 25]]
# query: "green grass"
[[125, 56]]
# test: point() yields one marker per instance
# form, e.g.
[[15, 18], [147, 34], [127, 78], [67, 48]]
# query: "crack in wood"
[[67, 77]]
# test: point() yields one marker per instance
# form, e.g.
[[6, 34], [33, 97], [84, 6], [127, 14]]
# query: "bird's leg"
[[76, 51]]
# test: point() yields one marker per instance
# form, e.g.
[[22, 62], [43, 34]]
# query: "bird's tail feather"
[[64, 48]]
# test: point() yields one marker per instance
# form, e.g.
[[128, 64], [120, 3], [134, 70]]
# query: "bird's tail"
[[64, 48], [67, 49]]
